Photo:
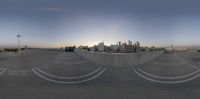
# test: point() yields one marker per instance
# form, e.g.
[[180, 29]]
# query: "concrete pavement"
[[19, 82]]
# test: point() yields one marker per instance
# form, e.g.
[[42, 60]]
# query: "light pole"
[[18, 36]]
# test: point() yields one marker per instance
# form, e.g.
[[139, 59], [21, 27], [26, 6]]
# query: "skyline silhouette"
[[60, 23]]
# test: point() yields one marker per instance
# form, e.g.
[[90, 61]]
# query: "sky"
[[58, 23]]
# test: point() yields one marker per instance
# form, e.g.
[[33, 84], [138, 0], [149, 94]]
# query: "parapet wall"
[[117, 59]]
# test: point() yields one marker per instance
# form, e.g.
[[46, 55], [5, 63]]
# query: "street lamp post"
[[18, 36]]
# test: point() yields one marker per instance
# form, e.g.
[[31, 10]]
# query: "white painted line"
[[178, 77], [165, 82], [3, 71], [1, 68], [72, 82], [186, 62], [194, 66], [75, 77]]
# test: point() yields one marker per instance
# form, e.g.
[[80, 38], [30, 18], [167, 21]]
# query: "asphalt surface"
[[20, 82]]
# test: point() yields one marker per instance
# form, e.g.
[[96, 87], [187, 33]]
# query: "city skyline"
[[59, 23]]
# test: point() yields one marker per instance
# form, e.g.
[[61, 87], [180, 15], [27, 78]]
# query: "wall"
[[117, 59]]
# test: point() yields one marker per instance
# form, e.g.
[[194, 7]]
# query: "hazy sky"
[[55, 23]]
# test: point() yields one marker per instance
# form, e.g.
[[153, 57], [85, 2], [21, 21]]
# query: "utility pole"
[[18, 36]]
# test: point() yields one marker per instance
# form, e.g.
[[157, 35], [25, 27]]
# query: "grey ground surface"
[[19, 82]]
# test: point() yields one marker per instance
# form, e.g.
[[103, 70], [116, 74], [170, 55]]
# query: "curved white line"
[[194, 66], [178, 77], [72, 82], [75, 77], [3, 71], [166, 82], [186, 62]]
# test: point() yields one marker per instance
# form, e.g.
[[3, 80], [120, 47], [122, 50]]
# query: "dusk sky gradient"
[[56, 23]]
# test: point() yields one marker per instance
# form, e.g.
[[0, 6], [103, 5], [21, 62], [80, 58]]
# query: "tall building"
[[137, 44], [129, 42], [119, 42]]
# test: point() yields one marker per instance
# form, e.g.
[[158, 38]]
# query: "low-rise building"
[[101, 47], [114, 48]]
